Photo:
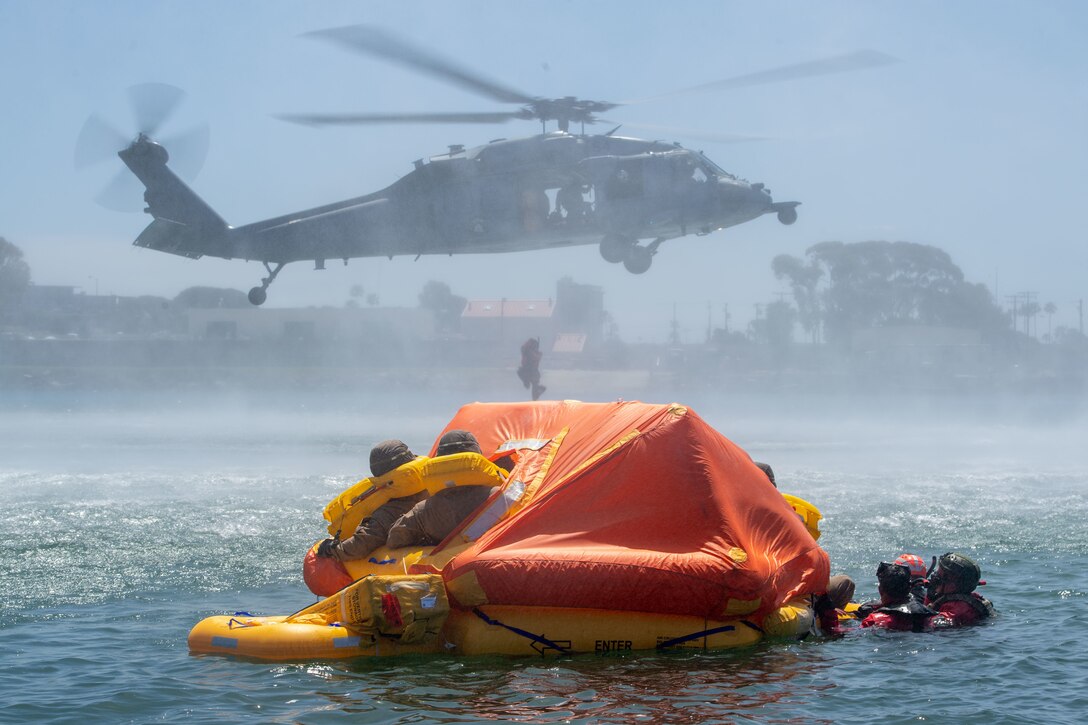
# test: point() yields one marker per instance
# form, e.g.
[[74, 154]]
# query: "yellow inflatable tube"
[[504, 630], [377, 615], [275, 638], [513, 630], [810, 515]]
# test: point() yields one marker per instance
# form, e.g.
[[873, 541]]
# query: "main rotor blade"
[[98, 141], [345, 119], [371, 40], [188, 151], [695, 134], [152, 104], [858, 60]]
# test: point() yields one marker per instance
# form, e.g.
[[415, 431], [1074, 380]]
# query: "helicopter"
[[551, 190]]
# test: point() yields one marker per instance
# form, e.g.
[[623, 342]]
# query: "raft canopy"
[[628, 506]]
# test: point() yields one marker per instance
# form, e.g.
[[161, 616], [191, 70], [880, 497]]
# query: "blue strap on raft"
[[696, 635], [233, 623], [549, 644], [539, 639]]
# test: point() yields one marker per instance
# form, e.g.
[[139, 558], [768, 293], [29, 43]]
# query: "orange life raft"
[[623, 525]]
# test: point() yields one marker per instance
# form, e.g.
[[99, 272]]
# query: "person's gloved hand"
[[940, 621], [326, 547], [866, 608]]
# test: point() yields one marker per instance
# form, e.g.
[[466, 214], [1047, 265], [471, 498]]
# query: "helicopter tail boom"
[[183, 223]]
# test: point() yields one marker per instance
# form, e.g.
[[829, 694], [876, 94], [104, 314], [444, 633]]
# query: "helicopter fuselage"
[[555, 189], [552, 190]]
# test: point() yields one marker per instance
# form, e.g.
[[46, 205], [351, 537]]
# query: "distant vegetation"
[[205, 298], [840, 288], [444, 304], [14, 275]]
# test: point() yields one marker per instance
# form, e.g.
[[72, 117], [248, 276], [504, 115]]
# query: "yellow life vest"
[[346, 511]]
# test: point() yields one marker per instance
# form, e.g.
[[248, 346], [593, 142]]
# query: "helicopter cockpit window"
[[688, 168], [712, 168]]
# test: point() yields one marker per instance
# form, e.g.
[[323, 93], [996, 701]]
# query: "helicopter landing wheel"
[[258, 295], [787, 215], [638, 259], [614, 248]]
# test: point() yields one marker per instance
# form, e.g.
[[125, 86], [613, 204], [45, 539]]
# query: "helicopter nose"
[[742, 199]]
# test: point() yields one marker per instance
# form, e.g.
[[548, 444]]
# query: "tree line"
[[840, 288], [837, 288]]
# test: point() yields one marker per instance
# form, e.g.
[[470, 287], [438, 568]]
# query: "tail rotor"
[[153, 105]]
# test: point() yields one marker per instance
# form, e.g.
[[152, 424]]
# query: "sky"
[[975, 142]]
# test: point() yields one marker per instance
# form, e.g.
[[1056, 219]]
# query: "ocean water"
[[124, 525]]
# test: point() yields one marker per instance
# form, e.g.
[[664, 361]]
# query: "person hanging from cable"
[[529, 371]]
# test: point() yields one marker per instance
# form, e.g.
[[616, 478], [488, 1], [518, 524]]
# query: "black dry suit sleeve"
[[866, 608]]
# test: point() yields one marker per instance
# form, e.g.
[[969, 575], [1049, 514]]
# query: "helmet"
[[767, 470], [959, 569], [890, 572], [894, 579], [457, 441], [914, 563], [388, 455]]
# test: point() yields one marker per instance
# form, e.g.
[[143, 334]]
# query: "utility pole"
[[1031, 311], [1013, 299], [1023, 303]]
